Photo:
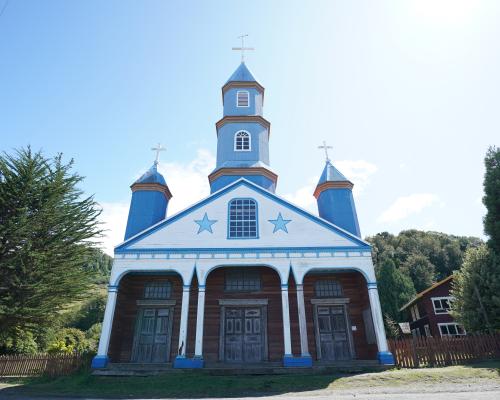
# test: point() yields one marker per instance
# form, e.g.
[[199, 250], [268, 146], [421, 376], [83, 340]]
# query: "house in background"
[[430, 312]]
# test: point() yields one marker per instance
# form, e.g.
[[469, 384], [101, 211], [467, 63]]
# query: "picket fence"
[[437, 352], [42, 364]]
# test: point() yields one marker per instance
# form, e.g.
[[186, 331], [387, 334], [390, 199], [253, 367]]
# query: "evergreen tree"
[[491, 197], [420, 270], [47, 228], [476, 291], [395, 290]]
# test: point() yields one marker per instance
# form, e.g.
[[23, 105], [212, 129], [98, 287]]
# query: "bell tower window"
[[242, 141], [242, 98]]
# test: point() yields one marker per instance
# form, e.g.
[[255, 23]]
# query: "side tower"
[[150, 197], [242, 134], [335, 201]]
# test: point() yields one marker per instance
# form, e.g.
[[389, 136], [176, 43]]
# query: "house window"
[[242, 141], [328, 288], [451, 329], [242, 280], [242, 98], [427, 331], [242, 219], [157, 290], [415, 314], [441, 305]]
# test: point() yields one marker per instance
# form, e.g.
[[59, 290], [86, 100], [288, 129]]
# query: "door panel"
[[152, 338], [333, 333], [243, 335]]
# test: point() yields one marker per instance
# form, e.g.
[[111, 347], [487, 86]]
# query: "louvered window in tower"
[[242, 98], [242, 141]]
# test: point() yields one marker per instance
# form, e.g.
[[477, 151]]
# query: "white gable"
[[181, 231]]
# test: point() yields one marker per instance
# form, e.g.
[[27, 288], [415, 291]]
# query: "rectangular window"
[[427, 331], [242, 98], [415, 314], [157, 290], [242, 219], [451, 329], [242, 280], [328, 288], [441, 304]]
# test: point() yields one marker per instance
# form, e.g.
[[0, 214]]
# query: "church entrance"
[[332, 334], [152, 335], [243, 334]]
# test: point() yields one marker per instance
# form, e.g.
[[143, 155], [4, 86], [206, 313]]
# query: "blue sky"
[[407, 93]]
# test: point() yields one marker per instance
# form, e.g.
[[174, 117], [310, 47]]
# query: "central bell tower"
[[242, 134]]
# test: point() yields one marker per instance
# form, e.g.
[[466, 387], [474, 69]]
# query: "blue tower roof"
[[152, 176], [331, 174], [242, 74]]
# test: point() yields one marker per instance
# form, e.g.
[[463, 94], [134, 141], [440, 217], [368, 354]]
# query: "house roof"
[[425, 291], [242, 74], [152, 176], [331, 174]]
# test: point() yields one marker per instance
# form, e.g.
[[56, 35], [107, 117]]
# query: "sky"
[[406, 92]]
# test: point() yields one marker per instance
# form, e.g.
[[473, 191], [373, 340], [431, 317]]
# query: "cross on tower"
[[325, 147], [243, 48], [158, 148]]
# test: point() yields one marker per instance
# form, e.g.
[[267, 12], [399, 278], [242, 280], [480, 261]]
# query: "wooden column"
[[378, 322], [181, 351], [286, 321], [304, 346], [108, 321], [200, 315]]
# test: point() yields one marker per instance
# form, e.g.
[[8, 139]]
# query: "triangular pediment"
[[280, 225]]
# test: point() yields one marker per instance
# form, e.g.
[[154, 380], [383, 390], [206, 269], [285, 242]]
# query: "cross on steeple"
[[243, 48], [158, 148], [325, 147]]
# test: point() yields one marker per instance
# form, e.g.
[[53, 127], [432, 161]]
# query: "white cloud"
[[357, 171], [187, 182], [407, 205], [303, 196]]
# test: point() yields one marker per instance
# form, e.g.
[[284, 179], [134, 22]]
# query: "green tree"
[[47, 232], [491, 197], [420, 270], [476, 291], [395, 290]]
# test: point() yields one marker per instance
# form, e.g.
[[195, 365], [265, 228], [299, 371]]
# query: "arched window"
[[242, 219], [328, 288], [158, 290], [242, 141], [242, 98]]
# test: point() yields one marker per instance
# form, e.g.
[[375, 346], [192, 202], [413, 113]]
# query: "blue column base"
[[291, 361], [385, 358], [99, 362], [188, 363]]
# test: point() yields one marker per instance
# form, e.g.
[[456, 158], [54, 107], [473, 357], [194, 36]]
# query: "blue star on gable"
[[280, 223], [205, 224]]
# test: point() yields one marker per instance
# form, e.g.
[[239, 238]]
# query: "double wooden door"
[[152, 335], [244, 334], [332, 333]]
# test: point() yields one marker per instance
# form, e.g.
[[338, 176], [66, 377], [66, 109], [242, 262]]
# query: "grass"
[[199, 384]]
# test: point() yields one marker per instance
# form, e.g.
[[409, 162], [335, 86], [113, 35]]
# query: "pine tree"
[[491, 198], [47, 231]]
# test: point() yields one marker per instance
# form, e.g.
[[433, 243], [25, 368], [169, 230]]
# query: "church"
[[243, 276]]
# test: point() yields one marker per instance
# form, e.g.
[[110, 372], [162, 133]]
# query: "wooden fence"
[[437, 352], [42, 364]]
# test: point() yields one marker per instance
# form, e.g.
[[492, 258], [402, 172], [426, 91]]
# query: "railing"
[[437, 352], [42, 364]]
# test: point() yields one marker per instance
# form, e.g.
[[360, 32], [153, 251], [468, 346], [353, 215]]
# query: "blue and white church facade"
[[242, 276]]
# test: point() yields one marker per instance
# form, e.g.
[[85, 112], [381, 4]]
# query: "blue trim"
[[385, 358], [291, 362], [256, 219], [99, 362], [371, 285], [284, 286], [235, 264], [188, 363], [244, 249], [265, 193]]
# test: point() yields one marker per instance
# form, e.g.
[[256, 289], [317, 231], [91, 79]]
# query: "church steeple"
[[335, 201], [242, 134]]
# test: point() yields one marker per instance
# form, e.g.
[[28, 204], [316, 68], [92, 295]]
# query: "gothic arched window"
[[242, 222], [242, 141]]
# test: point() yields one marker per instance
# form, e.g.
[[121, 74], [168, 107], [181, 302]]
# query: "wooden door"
[[152, 336], [243, 335], [332, 329]]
